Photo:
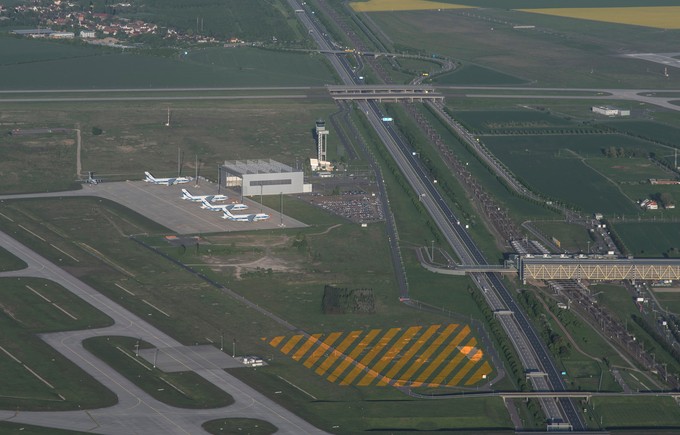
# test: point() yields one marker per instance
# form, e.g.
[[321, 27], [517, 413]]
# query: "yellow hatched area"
[[389, 356], [369, 356], [432, 356], [409, 354], [352, 356], [321, 350], [468, 366], [311, 341], [480, 374], [337, 353], [446, 371], [291, 344], [424, 358]]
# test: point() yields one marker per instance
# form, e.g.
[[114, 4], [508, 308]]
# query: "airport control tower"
[[321, 140]]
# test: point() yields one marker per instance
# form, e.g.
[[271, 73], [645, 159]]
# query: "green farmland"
[[23, 64], [558, 167]]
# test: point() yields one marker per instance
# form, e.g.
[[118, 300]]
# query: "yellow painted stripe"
[[429, 351], [484, 370], [291, 344], [276, 340], [328, 362], [390, 354], [467, 367], [352, 356], [442, 356], [455, 361], [384, 340], [321, 350], [305, 347], [408, 355]]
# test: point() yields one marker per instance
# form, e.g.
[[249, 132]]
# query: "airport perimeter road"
[[136, 412]]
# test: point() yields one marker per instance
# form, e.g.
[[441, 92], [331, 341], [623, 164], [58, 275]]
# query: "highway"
[[532, 351]]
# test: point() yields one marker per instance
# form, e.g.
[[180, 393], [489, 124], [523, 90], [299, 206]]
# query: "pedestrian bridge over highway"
[[385, 92], [598, 269]]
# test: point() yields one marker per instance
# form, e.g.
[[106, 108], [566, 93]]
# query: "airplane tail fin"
[[186, 194], [149, 176]]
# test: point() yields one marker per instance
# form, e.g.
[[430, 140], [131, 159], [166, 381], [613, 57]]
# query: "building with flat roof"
[[262, 177], [610, 111]]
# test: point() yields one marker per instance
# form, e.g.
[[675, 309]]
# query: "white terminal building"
[[263, 177]]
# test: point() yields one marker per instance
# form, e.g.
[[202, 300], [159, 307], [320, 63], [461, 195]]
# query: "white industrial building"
[[262, 177]]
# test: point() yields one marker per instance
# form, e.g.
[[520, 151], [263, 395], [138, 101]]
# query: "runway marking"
[[40, 378], [26, 229], [38, 293], [124, 289], [155, 307], [64, 252], [9, 354], [391, 356], [7, 217]]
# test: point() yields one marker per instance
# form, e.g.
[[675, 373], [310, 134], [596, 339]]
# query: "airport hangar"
[[262, 177]]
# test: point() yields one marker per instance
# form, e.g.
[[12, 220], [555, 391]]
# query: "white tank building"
[[262, 177]]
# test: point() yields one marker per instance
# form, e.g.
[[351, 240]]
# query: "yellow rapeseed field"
[[401, 5], [661, 17]]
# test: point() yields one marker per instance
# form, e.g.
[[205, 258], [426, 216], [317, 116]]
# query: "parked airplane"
[[222, 207], [199, 198], [245, 217], [167, 181]]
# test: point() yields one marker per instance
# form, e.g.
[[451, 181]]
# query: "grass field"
[[135, 139], [572, 237], [658, 17], [650, 239], [483, 122], [630, 412], [33, 375], [10, 262], [198, 312], [181, 389], [470, 74], [564, 52], [557, 166], [401, 5], [82, 67]]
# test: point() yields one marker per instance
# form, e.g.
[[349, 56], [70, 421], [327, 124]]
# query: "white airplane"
[[245, 217], [167, 181], [199, 198], [222, 207]]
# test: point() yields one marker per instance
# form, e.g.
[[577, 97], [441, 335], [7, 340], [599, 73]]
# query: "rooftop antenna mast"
[[179, 160], [196, 185]]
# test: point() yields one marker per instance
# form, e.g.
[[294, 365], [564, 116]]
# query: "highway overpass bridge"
[[382, 93], [598, 268]]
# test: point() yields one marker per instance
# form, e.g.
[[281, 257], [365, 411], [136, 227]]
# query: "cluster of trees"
[[344, 300], [619, 152]]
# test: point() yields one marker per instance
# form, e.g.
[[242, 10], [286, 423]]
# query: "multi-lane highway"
[[534, 355]]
